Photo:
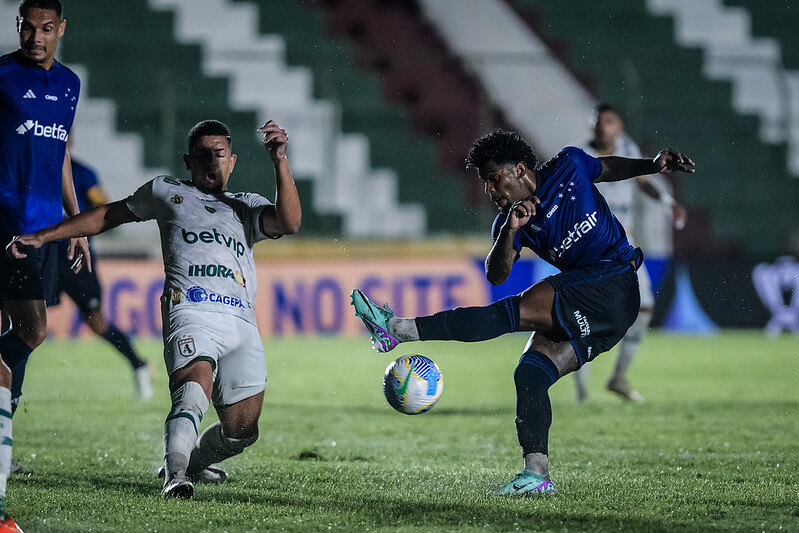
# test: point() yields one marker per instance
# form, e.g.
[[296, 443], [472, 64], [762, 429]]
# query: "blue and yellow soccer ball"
[[412, 384]]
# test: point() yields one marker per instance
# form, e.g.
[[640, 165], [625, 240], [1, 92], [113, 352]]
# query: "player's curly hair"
[[501, 147], [55, 5], [208, 127]]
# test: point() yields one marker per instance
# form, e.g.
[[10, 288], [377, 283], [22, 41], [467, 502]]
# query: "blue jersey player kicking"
[[556, 211], [38, 97]]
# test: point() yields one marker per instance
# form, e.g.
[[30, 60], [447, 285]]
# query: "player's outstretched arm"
[[286, 215], [616, 168], [91, 222]]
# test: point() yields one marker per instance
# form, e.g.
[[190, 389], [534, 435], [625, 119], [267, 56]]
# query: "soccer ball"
[[412, 384]]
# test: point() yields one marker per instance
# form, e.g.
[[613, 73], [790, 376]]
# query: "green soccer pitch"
[[715, 445]]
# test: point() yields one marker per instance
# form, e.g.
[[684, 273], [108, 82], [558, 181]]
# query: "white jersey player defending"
[[211, 344], [609, 139]]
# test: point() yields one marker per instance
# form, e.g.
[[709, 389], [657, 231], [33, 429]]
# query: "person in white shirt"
[[609, 139], [212, 348]]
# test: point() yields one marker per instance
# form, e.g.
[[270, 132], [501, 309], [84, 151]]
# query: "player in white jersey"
[[212, 348], [609, 139]]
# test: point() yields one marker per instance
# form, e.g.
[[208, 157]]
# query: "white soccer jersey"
[[620, 195], [207, 242]]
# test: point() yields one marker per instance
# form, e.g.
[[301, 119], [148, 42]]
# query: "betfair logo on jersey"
[[217, 271], [198, 294], [189, 237], [575, 234], [56, 131]]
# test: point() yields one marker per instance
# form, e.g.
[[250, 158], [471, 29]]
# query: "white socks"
[[213, 447], [404, 329], [629, 345], [5, 438], [189, 404]]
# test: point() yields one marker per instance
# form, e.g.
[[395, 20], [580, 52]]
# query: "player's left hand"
[[670, 160], [275, 140], [79, 254]]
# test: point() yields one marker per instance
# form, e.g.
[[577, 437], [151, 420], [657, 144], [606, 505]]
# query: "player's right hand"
[[15, 249], [521, 212]]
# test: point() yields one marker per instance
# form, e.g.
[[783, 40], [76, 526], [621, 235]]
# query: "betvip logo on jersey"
[[190, 237], [56, 131]]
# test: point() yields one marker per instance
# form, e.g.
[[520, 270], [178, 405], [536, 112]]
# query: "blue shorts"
[[595, 307], [32, 278], [84, 287]]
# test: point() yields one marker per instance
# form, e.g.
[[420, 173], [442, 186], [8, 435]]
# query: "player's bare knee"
[[5, 375], [199, 371], [239, 429], [237, 441], [33, 336]]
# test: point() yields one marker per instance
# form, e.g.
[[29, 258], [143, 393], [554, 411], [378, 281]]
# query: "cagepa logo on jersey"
[[198, 294], [56, 131]]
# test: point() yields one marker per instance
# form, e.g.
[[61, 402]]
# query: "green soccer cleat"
[[376, 321], [526, 484]]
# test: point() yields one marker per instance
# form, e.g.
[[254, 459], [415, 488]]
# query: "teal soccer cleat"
[[376, 321], [526, 484]]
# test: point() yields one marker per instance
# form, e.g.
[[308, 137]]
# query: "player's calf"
[[214, 446], [181, 428]]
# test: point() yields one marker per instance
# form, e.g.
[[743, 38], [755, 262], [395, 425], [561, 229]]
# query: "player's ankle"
[[537, 463], [403, 329]]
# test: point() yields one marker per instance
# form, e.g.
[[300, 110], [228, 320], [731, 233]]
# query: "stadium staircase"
[[393, 39], [634, 62], [393, 144]]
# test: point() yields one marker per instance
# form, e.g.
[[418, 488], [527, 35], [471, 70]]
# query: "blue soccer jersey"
[[37, 108], [573, 226]]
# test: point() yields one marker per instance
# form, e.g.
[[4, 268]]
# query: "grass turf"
[[715, 446]]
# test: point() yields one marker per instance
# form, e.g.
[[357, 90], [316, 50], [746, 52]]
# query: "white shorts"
[[645, 287], [232, 346]]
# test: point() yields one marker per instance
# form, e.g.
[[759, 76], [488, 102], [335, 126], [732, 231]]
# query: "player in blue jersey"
[[556, 211], [38, 97], [84, 287]]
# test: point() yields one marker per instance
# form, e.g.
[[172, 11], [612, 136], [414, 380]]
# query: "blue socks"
[[533, 377], [121, 342], [471, 324]]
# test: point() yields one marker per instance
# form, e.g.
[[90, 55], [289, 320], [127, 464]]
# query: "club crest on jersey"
[[177, 199], [176, 296], [186, 346]]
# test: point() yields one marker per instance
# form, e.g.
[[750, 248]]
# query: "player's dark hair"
[[606, 107], [55, 5], [208, 127], [501, 147]]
